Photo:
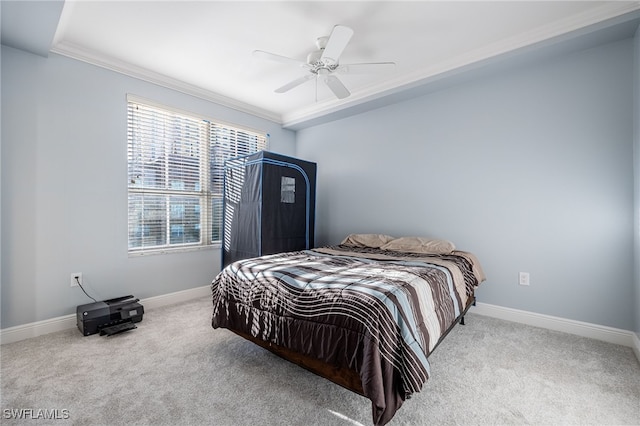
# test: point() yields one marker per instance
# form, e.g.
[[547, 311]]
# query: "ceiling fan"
[[323, 63]]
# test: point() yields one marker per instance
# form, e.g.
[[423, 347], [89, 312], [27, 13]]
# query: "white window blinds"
[[175, 174]]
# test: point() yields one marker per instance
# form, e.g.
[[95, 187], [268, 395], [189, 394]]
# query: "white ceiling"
[[205, 47]]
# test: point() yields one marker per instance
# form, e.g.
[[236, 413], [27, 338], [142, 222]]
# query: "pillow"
[[367, 240], [420, 245]]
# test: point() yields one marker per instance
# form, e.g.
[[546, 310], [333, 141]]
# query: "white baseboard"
[[584, 329], [177, 297], [594, 331], [636, 345], [34, 329]]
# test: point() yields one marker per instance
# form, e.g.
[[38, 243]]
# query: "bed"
[[366, 313]]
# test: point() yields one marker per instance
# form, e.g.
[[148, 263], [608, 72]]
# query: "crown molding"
[[75, 52], [608, 14]]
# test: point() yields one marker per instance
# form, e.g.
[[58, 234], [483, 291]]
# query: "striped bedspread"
[[376, 312]]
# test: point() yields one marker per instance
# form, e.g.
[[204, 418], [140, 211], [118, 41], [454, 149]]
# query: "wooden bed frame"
[[344, 377]]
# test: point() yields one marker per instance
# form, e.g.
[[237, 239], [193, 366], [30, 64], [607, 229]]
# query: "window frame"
[[212, 152]]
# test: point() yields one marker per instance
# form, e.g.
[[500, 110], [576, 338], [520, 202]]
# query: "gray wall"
[[64, 187], [530, 169]]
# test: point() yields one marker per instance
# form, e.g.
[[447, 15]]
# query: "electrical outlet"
[[75, 277], [524, 278]]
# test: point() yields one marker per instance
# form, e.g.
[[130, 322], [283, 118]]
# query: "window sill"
[[178, 250]]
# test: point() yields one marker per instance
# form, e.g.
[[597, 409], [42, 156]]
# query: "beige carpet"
[[176, 370]]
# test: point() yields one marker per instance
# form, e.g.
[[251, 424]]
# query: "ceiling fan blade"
[[366, 68], [294, 83], [340, 36], [336, 86], [278, 58]]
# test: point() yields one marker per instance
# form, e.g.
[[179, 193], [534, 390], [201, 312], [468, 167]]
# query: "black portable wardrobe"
[[269, 205]]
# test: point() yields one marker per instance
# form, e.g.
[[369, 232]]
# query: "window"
[[175, 174], [288, 190]]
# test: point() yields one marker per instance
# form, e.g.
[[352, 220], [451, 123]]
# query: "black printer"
[[109, 316]]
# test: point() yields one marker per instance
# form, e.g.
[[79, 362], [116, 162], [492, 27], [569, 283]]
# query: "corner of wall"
[[636, 174], [0, 181]]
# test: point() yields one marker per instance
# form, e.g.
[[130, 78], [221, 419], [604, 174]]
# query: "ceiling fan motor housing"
[[317, 64]]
